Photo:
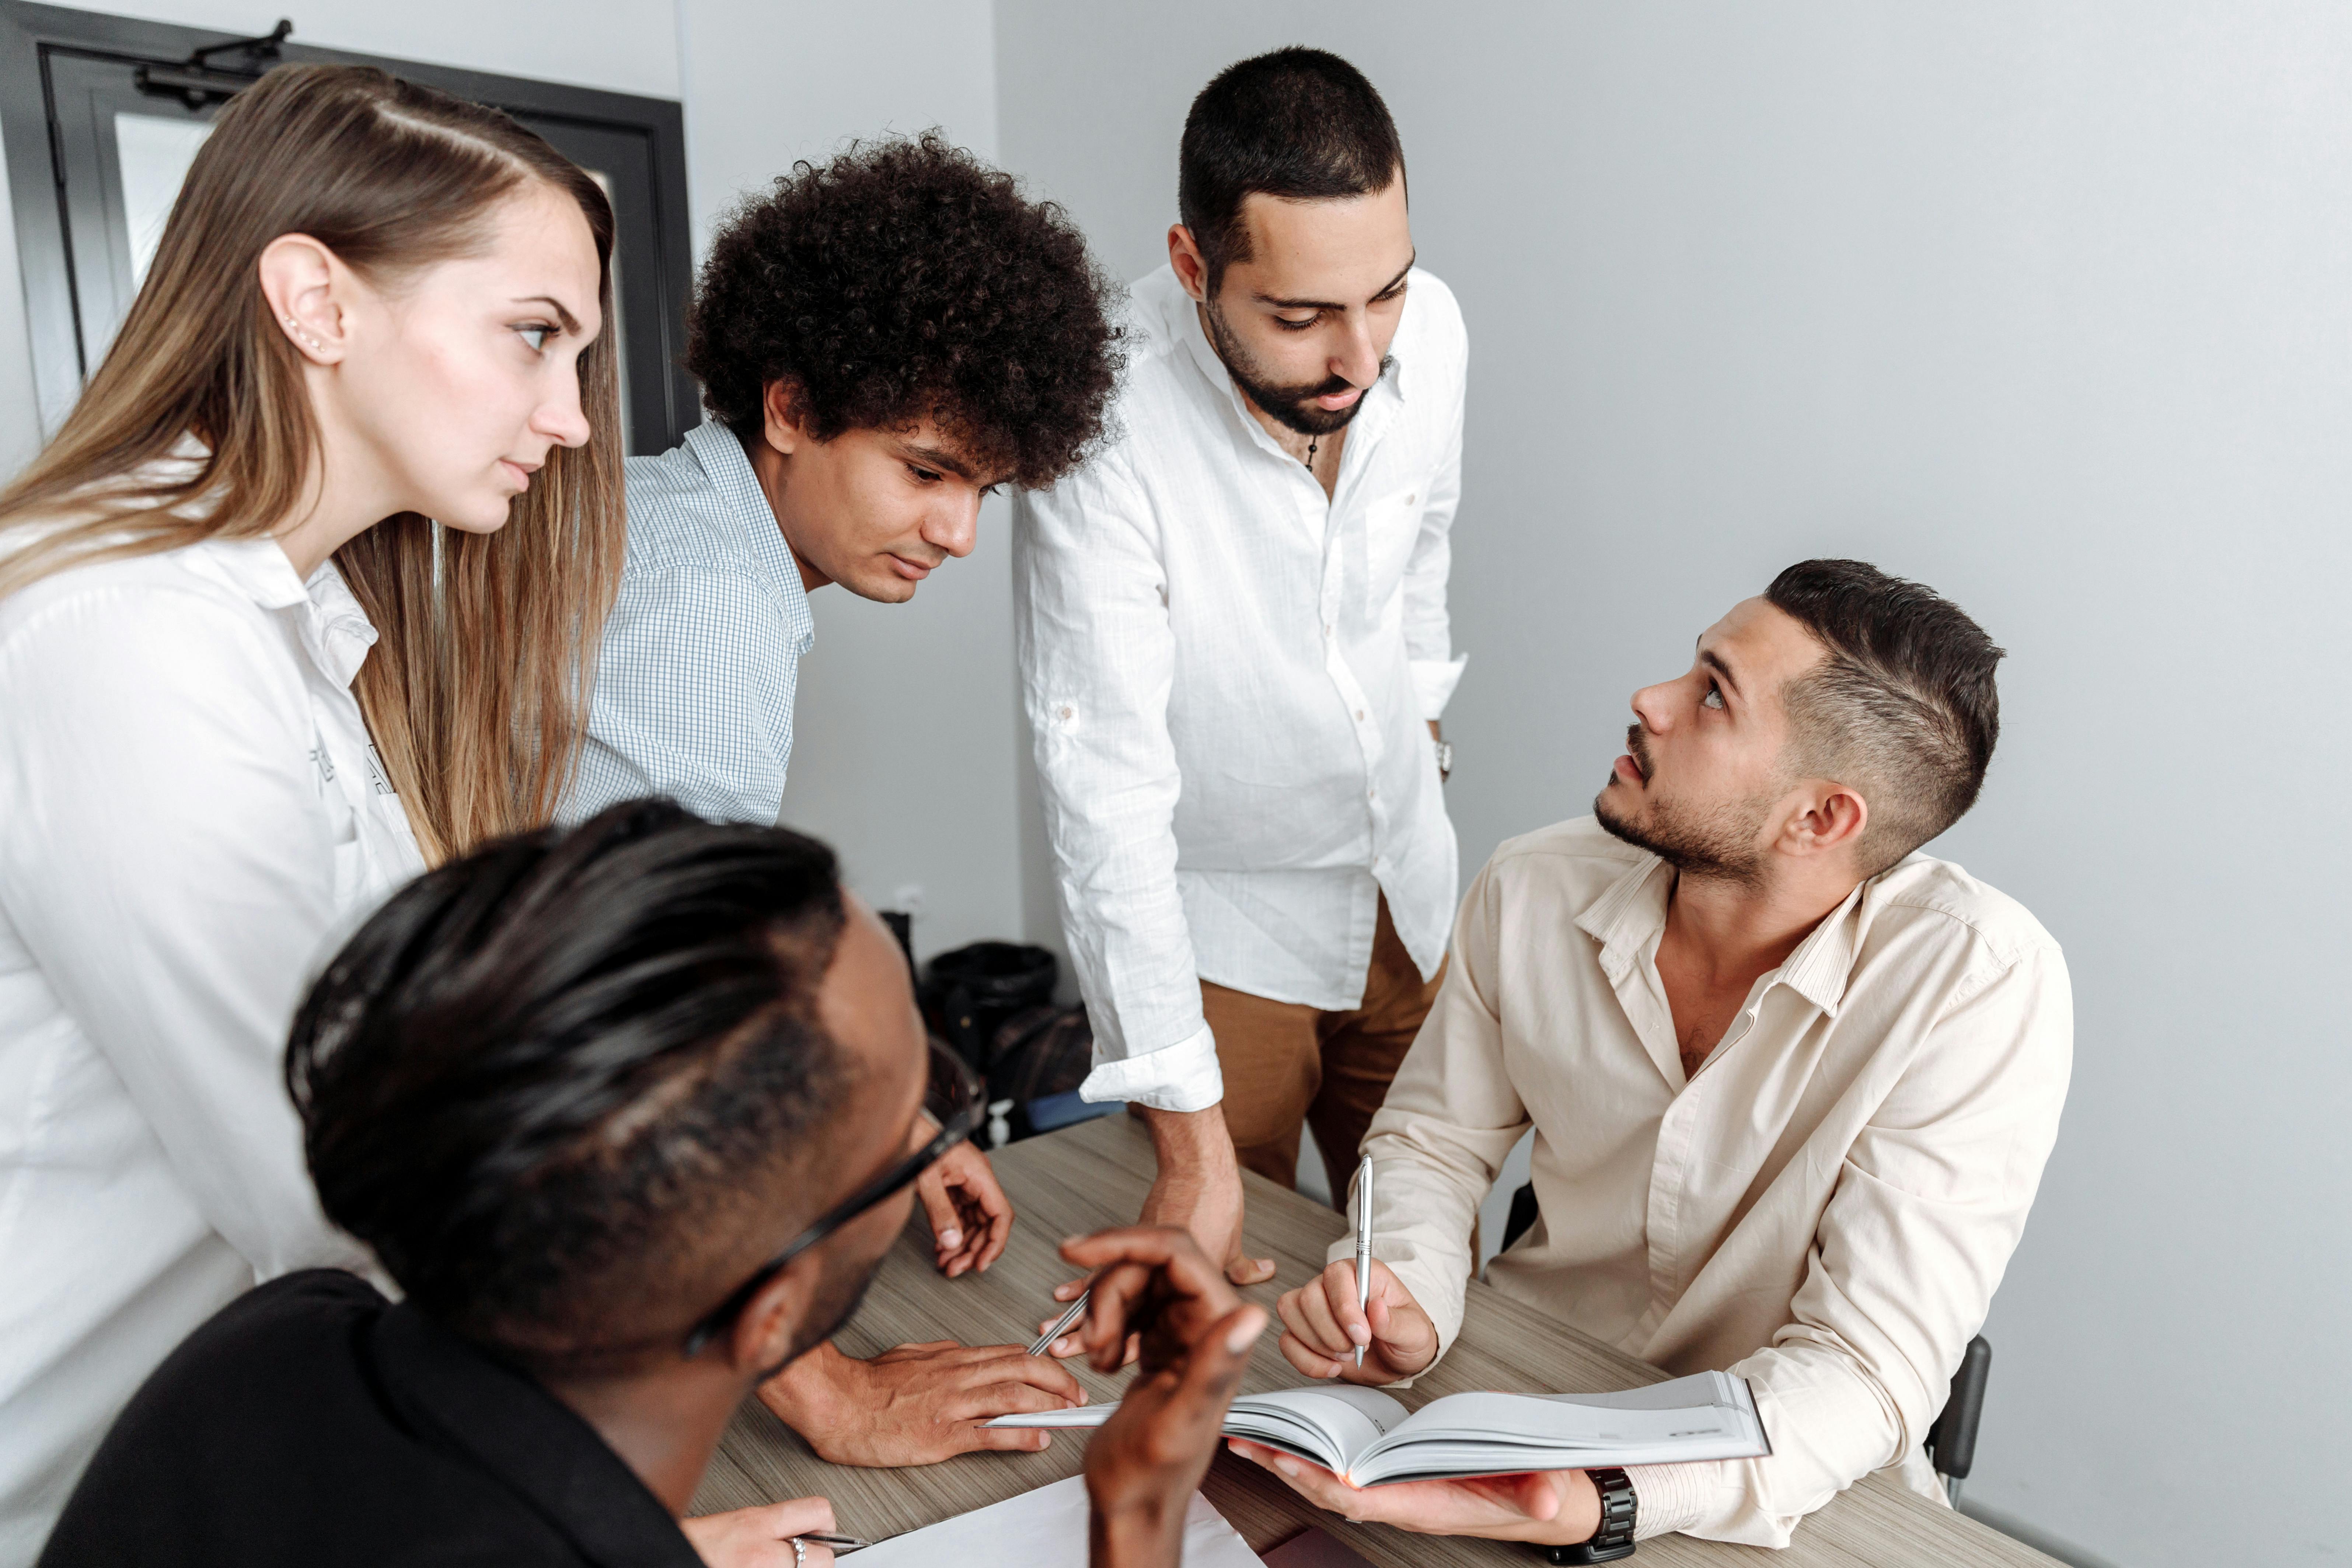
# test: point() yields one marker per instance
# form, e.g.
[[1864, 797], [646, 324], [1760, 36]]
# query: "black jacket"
[[313, 1422]]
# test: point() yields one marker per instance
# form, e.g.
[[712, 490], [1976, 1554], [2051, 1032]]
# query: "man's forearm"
[[1135, 1538], [1192, 1142]]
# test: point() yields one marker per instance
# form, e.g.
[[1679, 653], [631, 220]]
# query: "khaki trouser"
[[1285, 1063]]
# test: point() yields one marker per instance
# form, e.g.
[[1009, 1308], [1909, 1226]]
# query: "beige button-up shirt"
[[1825, 1209]]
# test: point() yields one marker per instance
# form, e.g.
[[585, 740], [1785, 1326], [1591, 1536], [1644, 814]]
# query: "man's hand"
[[1554, 1508], [762, 1537], [1322, 1326], [1154, 1287], [1199, 1188], [917, 1405], [1198, 1191], [969, 1213]]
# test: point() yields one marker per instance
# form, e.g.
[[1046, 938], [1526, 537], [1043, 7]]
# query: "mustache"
[[1639, 751]]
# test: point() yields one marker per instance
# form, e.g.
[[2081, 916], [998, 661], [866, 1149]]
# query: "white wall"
[[906, 755], [2046, 306]]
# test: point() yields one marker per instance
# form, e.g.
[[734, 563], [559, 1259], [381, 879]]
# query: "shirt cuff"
[[1433, 681], [1182, 1076], [1667, 1497]]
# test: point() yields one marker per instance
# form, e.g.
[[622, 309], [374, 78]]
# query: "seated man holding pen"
[[1791, 1083], [631, 1113]]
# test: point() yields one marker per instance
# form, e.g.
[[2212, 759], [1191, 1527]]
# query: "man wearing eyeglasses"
[[631, 1113]]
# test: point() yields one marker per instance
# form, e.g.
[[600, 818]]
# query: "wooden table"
[[1095, 1175]]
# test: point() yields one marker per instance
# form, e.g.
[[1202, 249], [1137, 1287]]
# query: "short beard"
[[1716, 845], [834, 1303], [1293, 406]]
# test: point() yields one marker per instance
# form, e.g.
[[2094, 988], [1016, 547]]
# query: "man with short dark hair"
[[630, 1114], [881, 341], [1234, 642], [1791, 1082]]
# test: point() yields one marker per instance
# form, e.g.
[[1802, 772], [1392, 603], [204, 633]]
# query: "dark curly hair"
[[907, 278]]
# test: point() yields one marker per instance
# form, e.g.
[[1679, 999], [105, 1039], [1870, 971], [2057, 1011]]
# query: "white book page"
[[1046, 1528], [1074, 1415], [1330, 1426]]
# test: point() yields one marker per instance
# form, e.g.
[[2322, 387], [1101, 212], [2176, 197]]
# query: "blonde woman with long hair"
[[246, 688]]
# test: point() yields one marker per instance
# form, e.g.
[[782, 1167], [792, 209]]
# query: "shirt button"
[[1371, 794], [1327, 628], [1360, 715], [1411, 497]]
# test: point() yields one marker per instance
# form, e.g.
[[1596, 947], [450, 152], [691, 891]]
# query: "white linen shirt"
[[1824, 1208], [1228, 676], [190, 811]]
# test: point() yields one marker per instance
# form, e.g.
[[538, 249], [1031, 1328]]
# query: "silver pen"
[[840, 1544], [1061, 1324], [1363, 1246]]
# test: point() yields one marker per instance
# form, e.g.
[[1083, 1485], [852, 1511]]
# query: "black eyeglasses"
[[956, 1101]]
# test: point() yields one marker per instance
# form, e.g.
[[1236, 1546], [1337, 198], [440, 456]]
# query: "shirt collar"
[[335, 632], [719, 452], [526, 1437], [1631, 912]]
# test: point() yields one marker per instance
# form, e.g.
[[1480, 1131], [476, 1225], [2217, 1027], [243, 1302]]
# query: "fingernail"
[[1245, 1332], [1286, 1466], [1360, 1333], [951, 1238]]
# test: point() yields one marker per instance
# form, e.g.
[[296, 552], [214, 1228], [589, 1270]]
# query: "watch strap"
[[1614, 1539]]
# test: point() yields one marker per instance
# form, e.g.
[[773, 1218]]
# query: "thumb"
[[947, 1228], [1243, 1271]]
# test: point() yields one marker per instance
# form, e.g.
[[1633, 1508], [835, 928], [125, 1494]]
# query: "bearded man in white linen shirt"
[[1233, 644], [1791, 1082]]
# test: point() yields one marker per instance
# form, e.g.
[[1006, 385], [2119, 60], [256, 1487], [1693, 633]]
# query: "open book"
[[1367, 1436]]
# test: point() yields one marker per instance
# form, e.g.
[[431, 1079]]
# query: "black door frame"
[[663, 406]]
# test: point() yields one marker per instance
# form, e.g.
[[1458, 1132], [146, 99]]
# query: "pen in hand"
[[840, 1543], [1364, 1247], [1077, 1310]]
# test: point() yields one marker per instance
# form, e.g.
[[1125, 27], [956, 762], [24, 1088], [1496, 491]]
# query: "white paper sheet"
[[1043, 1528]]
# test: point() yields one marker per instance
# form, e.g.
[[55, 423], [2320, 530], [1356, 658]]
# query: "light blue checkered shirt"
[[702, 652]]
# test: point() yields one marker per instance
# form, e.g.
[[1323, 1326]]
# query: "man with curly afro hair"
[[882, 341]]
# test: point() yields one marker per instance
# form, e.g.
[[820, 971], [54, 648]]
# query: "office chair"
[[1951, 1442]]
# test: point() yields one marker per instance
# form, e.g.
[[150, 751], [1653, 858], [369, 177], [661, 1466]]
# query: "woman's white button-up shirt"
[[190, 813]]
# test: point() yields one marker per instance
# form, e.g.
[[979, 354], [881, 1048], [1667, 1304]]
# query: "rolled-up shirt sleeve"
[[677, 711], [1098, 659], [1450, 1120], [1928, 1208], [171, 873]]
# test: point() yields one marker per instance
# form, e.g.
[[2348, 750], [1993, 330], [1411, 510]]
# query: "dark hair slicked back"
[[1298, 123], [543, 1080], [1906, 708]]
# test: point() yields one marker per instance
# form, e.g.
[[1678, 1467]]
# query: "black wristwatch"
[[1614, 1539]]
